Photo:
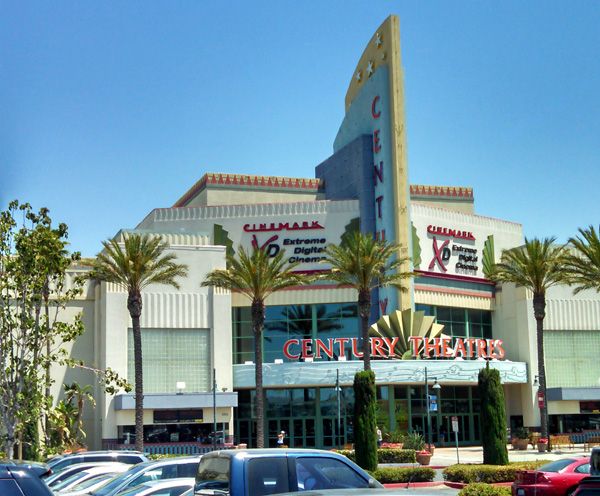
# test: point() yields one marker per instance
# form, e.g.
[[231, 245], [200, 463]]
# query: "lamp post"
[[214, 391], [436, 387], [541, 397], [339, 410]]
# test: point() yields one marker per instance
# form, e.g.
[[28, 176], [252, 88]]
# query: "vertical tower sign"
[[375, 106]]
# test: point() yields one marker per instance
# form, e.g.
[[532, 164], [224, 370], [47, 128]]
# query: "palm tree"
[[365, 263], [537, 266], [256, 275], [133, 264], [583, 264]]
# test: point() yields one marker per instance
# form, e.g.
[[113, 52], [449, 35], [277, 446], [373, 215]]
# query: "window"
[[326, 473], [171, 356], [9, 487], [213, 473], [283, 322], [267, 476], [583, 469]]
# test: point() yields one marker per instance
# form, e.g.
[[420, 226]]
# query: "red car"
[[558, 478]]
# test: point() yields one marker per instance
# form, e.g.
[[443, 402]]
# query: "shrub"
[[487, 473], [481, 489], [493, 416], [365, 428], [389, 455], [414, 441], [521, 433], [386, 455], [387, 475]]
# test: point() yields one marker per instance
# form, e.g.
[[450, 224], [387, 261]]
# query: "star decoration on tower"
[[378, 40], [370, 68], [358, 76]]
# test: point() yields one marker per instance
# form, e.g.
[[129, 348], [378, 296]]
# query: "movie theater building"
[[310, 345]]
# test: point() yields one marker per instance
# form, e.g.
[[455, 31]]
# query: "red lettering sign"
[[378, 173], [385, 347], [376, 141], [375, 113]]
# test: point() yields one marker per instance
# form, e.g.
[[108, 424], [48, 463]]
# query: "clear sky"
[[111, 109]]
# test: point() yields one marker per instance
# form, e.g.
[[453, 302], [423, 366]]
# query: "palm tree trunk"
[[364, 310], [539, 312], [134, 305], [258, 320]]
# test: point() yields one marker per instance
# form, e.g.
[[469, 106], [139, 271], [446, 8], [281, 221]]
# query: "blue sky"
[[110, 109]]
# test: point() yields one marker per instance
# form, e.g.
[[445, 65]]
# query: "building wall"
[[164, 307]]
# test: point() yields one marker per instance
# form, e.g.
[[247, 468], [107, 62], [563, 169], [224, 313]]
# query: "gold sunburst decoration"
[[403, 325]]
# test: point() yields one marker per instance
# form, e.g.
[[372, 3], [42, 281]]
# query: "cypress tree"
[[493, 417], [365, 427]]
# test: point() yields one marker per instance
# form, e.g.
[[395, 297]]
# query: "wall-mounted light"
[[180, 386], [278, 361]]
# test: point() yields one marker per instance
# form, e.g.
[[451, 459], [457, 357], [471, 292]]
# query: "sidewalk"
[[443, 457]]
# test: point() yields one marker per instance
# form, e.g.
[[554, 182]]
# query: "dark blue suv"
[[17, 481]]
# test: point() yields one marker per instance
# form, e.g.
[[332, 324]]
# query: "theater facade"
[[198, 342]]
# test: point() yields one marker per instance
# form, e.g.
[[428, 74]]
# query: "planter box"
[[520, 444], [423, 459]]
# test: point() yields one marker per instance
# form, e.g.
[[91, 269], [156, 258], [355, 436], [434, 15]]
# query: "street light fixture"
[[214, 391], [437, 387]]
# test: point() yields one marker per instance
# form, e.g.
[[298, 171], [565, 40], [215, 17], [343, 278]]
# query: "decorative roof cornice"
[[451, 192], [249, 181]]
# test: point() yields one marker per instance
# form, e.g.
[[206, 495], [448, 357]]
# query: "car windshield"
[[120, 479], [91, 482], [556, 466], [68, 481]]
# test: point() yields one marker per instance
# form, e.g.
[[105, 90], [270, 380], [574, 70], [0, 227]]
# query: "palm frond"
[[583, 262], [256, 274], [537, 265], [363, 262], [136, 262]]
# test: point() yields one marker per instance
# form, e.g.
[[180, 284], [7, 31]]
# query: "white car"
[[56, 479], [168, 487], [89, 474]]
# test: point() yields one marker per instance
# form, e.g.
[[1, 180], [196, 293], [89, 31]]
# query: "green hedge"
[[488, 473], [387, 455], [387, 475], [482, 489]]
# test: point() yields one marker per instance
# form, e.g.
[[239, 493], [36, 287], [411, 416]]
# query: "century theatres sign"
[[443, 347]]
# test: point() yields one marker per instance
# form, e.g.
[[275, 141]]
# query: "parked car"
[[18, 481], [171, 468], [171, 487], [56, 478], [58, 462], [270, 471], [88, 486], [557, 478], [39, 468], [588, 486], [90, 473]]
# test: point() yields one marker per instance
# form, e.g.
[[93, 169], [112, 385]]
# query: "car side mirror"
[[373, 484]]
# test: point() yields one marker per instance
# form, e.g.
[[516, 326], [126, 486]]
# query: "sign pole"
[[455, 429]]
